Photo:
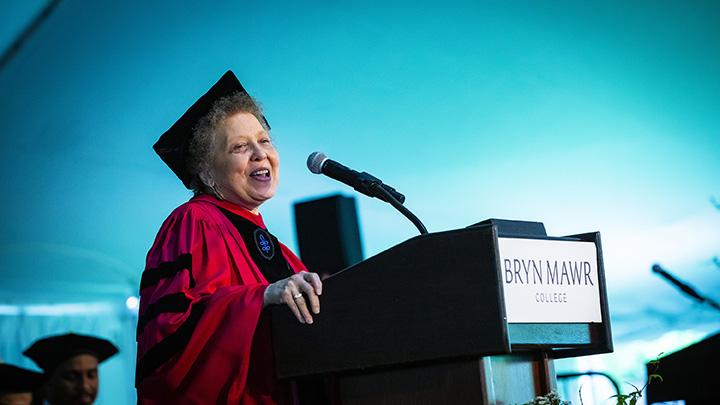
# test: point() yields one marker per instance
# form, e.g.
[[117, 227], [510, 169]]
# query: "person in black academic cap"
[[203, 332], [70, 363], [18, 385]]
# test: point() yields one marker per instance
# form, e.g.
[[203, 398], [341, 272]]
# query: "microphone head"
[[315, 162]]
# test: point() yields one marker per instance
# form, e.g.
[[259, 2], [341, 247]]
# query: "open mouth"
[[261, 174]]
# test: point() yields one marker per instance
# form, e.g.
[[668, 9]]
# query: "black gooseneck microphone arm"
[[403, 210]]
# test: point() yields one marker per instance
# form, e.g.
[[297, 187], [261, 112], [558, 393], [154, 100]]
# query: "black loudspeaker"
[[689, 375], [328, 234]]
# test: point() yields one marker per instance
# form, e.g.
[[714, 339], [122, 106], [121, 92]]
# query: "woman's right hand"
[[295, 292]]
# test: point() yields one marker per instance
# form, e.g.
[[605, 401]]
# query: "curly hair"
[[205, 134]]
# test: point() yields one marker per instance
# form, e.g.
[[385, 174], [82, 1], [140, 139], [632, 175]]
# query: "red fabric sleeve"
[[200, 305]]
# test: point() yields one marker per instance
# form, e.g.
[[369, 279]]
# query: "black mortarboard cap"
[[15, 379], [173, 145], [49, 352]]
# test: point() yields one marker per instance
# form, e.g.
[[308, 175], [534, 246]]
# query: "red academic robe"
[[203, 337]]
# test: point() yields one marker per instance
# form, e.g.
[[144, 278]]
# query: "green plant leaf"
[[653, 377], [580, 394], [620, 398]]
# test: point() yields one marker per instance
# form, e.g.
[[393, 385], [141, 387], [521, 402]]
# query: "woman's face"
[[246, 166]]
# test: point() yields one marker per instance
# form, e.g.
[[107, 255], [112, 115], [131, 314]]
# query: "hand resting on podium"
[[294, 292]]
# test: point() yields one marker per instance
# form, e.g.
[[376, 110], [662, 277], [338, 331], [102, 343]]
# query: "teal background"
[[587, 116]]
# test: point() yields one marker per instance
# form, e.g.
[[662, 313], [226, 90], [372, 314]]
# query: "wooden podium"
[[425, 322]]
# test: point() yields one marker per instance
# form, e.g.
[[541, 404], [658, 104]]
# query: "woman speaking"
[[203, 336]]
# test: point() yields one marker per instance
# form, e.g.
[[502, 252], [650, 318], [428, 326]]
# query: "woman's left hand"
[[294, 292]]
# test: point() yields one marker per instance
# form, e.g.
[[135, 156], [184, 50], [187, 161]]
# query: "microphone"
[[363, 182], [679, 284]]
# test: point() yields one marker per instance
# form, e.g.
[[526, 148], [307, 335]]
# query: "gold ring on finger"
[[297, 296]]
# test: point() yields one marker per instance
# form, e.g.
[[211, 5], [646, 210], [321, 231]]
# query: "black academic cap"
[[49, 352], [173, 145], [15, 379]]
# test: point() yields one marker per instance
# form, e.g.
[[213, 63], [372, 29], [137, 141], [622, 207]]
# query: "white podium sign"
[[549, 281]]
